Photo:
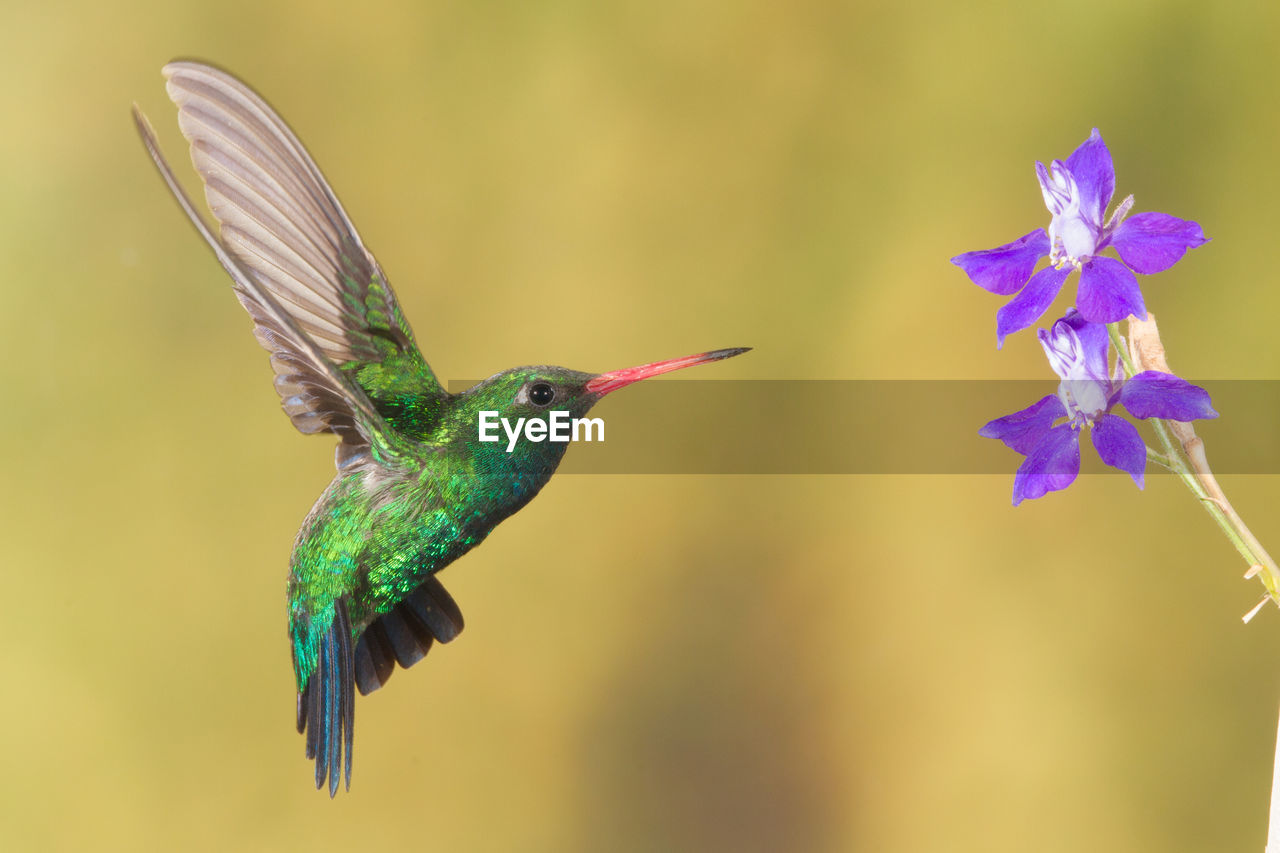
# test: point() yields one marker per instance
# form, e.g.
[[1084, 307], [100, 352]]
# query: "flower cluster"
[[1077, 351], [1077, 194]]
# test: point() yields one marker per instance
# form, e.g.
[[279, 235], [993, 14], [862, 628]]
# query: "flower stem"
[[1159, 458], [1185, 456]]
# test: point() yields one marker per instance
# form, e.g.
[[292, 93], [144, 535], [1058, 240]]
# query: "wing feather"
[[302, 368], [280, 219]]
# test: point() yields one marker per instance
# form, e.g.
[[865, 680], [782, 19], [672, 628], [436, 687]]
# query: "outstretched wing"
[[279, 218], [334, 401]]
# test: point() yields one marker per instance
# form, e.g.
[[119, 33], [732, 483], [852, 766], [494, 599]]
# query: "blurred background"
[[651, 662]]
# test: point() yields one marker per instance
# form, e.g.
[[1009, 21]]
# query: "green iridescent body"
[[416, 488], [375, 535]]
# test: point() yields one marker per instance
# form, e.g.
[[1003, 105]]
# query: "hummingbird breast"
[[376, 534]]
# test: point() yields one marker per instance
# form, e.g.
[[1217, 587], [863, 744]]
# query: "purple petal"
[[1152, 394], [1027, 307], [1093, 341], [1090, 165], [1108, 292], [1005, 269], [1120, 446], [1050, 467], [1056, 186], [1153, 242], [1022, 430]]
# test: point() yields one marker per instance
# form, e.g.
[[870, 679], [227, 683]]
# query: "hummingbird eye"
[[541, 394]]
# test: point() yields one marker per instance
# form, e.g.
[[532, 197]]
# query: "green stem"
[[1193, 470], [1159, 458], [1113, 329]]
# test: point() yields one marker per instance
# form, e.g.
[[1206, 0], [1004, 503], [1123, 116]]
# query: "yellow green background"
[[650, 663]]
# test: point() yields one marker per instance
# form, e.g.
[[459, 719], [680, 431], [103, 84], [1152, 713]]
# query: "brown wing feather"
[[279, 217], [336, 402]]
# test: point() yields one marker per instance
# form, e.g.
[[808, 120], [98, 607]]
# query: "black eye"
[[541, 394]]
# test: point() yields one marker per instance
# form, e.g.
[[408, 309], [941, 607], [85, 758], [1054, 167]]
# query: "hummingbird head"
[[535, 393]]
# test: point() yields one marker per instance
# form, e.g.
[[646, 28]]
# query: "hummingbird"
[[415, 488]]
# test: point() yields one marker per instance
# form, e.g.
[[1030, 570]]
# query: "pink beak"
[[615, 379]]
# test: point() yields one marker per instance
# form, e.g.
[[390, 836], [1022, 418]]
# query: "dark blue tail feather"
[[326, 706], [405, 634]]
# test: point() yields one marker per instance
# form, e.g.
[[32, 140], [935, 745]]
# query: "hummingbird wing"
[[327, 398], [280, 218]]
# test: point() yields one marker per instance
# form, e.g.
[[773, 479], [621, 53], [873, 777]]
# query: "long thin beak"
[[615, 379]]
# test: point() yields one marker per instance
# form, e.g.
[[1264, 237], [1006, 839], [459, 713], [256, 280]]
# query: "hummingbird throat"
[[558, 427]]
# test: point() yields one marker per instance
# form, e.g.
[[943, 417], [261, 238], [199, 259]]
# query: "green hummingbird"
[[415, 487]]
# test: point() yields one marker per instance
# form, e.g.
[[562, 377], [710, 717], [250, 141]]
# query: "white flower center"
[[1083, 394], [1073, 238]]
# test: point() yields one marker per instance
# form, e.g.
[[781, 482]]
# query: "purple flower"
[[1077, 351], [1077, 193]]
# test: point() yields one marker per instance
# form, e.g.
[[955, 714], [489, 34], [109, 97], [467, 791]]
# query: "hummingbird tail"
[[405, 634], [326, 706]]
